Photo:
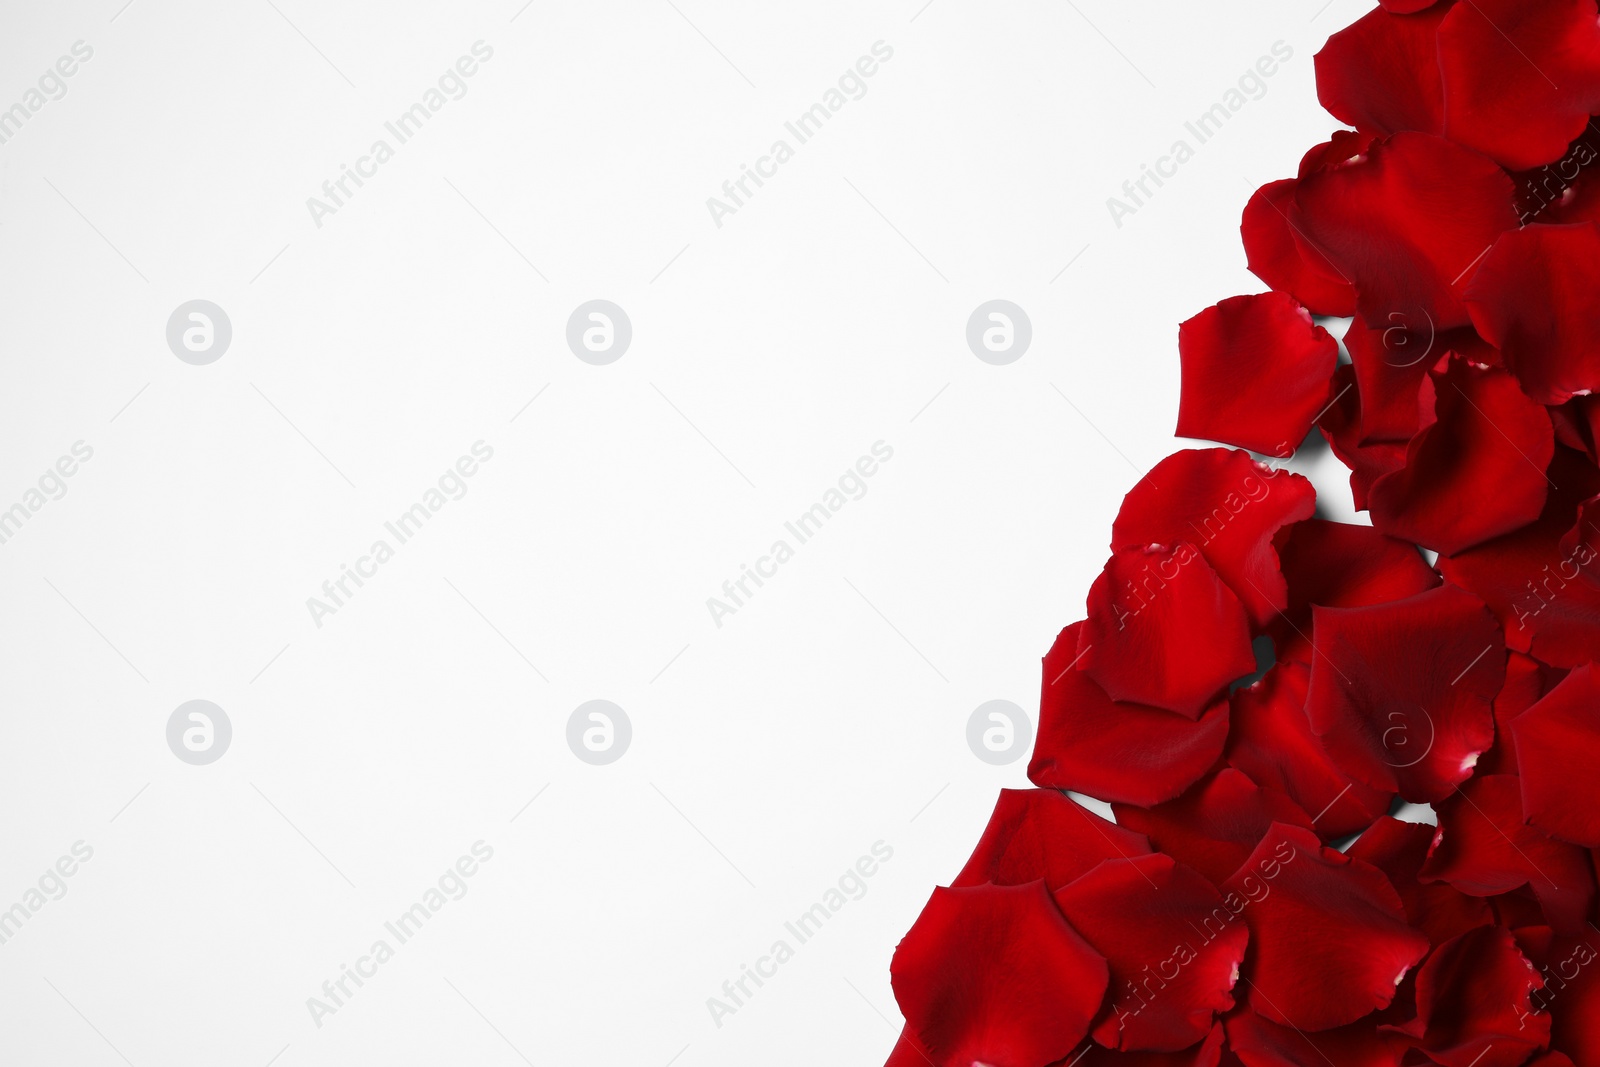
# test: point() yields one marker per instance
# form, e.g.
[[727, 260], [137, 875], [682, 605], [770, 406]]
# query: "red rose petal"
[[1406, 224], [1399, 849], [1164, 630], [1558, 751], [1521, 79], [995, 975], [1227, 505], [1260, 1043], [1255, 373], [1381, 74], [1328, 938], [1094, 745], [1208, 1053], [1036, 834], [1533, 296], [1473, 997], [1338, 565], [1541, 591], [1490, 442], [1272, 742], [1484, 848], [1280, 256], [1216, 825], [1173, 948], [1401, 692]]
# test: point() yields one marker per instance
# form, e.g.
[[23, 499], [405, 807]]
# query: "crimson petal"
[[1164, 630], [1401, 692], [1229, 507], [1328, 936], [1558, 748], [1533, 297], [1174, 950], [1255, 373], [1037, 834], [1094, 745], [994, 974]]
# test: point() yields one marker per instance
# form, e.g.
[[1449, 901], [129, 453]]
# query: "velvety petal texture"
[[1255, 373]]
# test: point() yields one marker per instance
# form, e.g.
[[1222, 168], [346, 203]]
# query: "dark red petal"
[[1164, 630], [1401, 692], [1406, 224], [1328, 938], [994, 974], [1558, 753], [1255, 373], [1173, 948], [1208, 1053], [1093, 745], [1473, 996], [1526, 681], [1399, 849], [1391, 361], [1038, 834], [1338, 565], [1490, 442], [1484, 848], [1533, 297], [1381, 75], [1259, 1043], [1341, 425], [1284, 259], [1571, 996], [1406, 7], [1272, 742], [1539, 590], [1229, 506], [1216, 825], [1566, 190], [1521, 79]]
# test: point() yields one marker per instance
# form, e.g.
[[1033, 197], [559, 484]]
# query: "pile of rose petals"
[[1254, 689]]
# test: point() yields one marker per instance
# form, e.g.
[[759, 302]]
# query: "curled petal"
[[1280, 256]]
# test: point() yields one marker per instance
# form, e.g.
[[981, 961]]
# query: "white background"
[[368, 354]]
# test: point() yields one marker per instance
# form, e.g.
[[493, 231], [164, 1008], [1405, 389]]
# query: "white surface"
[[405, 329]]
